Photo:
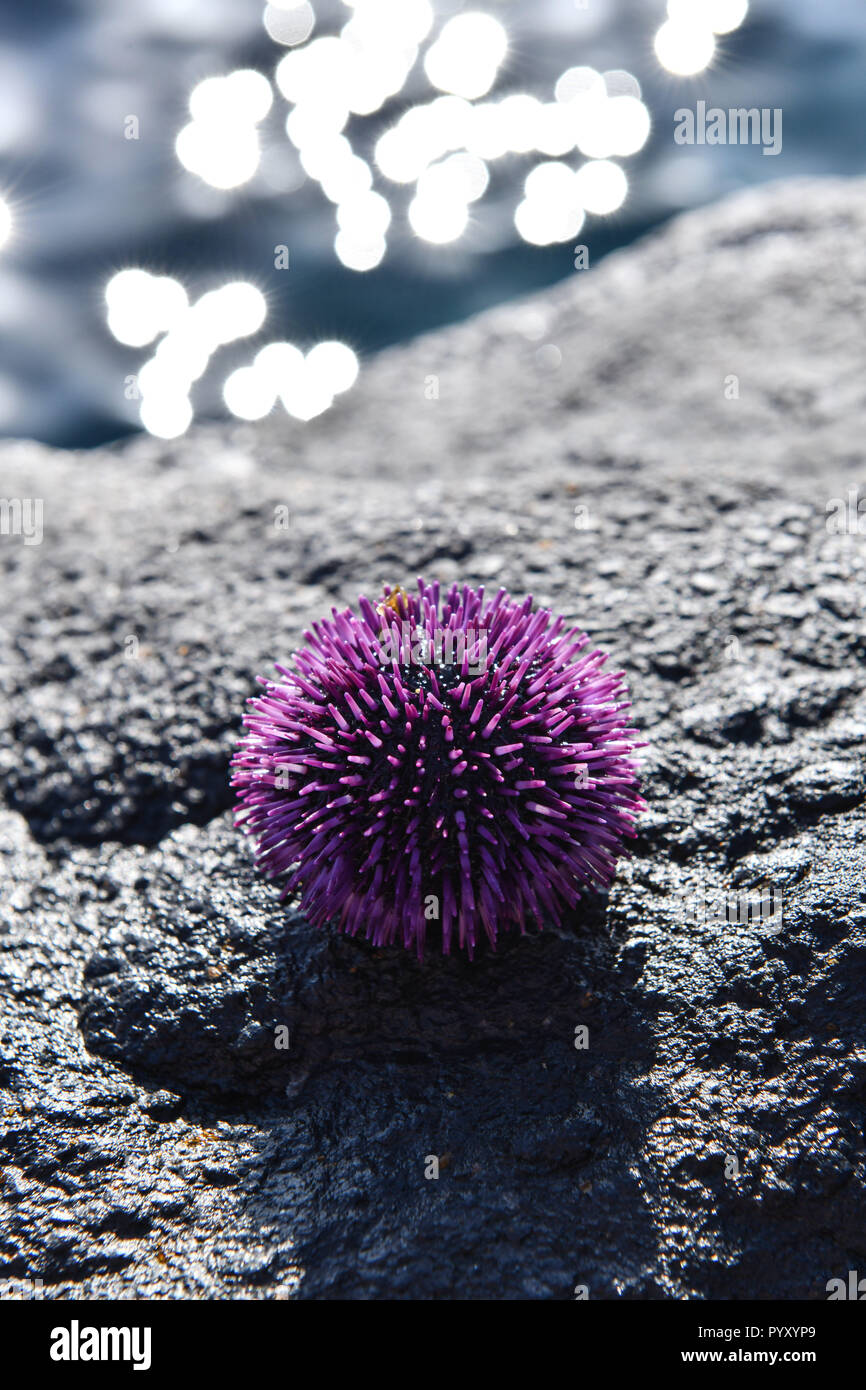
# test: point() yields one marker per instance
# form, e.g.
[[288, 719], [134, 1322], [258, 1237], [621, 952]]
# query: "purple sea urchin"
[[463, 764]]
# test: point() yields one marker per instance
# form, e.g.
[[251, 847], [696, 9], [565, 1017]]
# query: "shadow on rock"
[[230, 996], [518, 1073]]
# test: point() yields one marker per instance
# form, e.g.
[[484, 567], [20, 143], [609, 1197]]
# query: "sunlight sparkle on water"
[[684, 48], [166, 415], [438, 220], [141, 305], [365, 217], [248, 394], [466, 57], [551, 210], [334, 365], [220, 144], [277, 363], [289, 24], [444, 147], [601, 186], [721, 16], [359, 253], [244, 95], [5, 221]]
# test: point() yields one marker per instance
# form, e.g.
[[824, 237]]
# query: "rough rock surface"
[[709, 1140]]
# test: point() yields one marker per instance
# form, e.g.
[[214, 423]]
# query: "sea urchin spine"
[[464, 765]]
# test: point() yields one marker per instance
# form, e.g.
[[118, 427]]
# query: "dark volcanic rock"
[[234, 996], [704, 1136]]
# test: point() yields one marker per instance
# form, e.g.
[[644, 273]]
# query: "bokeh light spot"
[[722, 16], [141, 306], [466, 56], [278, 363], [333, 365], [5, 221], [224, 155], [248, 394], [551, 210], [365, 218], [235, 310], [244, 95], [601, 186], [289, 25], [167, 415], [684, 48], [438, 219], [578, 84], [359, 254]]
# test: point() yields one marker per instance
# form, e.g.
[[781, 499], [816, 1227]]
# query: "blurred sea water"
[[90, 194]]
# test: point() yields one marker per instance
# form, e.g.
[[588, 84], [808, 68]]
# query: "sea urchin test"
[[439, 766]]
